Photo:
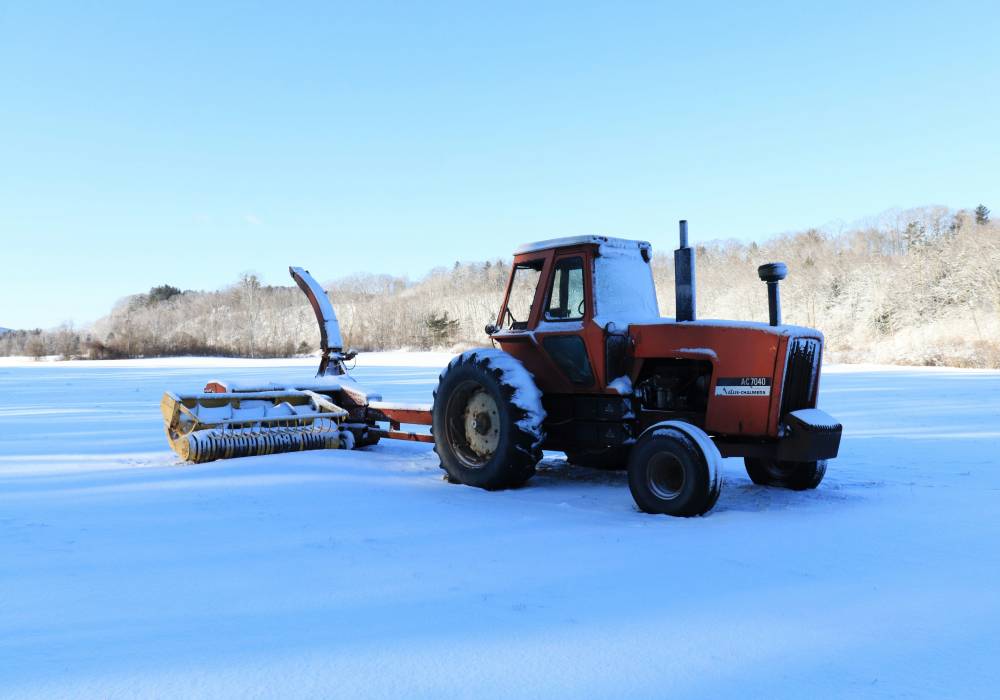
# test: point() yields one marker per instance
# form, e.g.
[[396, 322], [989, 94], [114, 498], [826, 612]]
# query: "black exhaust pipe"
[[772, 273], [684, 277]]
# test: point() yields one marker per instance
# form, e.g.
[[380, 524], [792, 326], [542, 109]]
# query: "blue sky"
[[148, 143]]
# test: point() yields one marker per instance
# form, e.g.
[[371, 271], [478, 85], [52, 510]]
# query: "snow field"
[[364, 574]]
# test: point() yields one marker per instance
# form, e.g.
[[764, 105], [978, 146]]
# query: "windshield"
[[522, 294]]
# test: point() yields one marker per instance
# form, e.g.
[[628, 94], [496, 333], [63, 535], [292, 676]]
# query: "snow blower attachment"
[[208, 426], [332, 411], [230, 421], [582, 363]]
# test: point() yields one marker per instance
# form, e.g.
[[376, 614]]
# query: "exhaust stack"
[[773, 273], [684, 287]]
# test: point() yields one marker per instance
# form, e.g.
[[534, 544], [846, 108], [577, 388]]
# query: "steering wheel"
[[579, 309]]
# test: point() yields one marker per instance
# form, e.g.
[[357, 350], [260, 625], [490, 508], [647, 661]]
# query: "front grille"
[[801, 374]]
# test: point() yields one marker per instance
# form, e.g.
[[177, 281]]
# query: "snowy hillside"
[[364, 574]]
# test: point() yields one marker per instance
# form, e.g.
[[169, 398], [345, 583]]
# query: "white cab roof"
[[607, 241]]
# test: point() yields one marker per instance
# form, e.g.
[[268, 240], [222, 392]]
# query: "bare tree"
[[67, 342], [35, 347], [249, 287]]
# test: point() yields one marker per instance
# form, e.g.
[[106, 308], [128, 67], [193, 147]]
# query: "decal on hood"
[[743, 386]]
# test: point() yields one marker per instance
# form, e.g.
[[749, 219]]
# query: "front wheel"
[[797, 476], [670, 473]]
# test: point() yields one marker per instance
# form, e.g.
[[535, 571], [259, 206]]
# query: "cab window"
[[522, 295], [566, 299]]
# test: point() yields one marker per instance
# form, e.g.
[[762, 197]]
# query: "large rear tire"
[[670, 473], [797, 476], [487, 420]]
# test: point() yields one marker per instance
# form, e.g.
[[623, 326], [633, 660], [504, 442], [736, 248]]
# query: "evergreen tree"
[[982, 215], [441, 328], [162, 293]]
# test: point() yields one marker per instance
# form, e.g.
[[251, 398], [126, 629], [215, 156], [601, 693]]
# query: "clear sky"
[[146, 143]]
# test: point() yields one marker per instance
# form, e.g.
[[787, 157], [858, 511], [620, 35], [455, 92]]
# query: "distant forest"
[[920, 286]]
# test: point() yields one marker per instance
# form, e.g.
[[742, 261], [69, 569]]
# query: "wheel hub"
[[665, 477], [482, 424]]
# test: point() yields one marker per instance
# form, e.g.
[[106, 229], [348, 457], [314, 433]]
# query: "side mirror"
[[491, 329]]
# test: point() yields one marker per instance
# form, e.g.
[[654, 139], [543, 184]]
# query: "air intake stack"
[[684, 288], [773, 273]]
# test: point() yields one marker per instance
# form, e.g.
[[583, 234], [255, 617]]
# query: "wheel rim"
[[665, 476], [473, 424]]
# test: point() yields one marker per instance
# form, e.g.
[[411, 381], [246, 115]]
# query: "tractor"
[[582, 363]]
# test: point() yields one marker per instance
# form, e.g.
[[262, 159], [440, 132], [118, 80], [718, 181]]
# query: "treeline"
[[918, 287], [247, 319], [912, 287]]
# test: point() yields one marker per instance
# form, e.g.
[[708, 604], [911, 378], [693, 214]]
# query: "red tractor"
[[584, 364]]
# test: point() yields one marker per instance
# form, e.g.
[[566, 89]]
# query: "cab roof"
[[603, 241]]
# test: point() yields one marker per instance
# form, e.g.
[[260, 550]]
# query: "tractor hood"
[[747, 345], [749, 364], [750, 326]]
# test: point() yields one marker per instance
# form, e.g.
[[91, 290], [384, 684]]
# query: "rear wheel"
[[797, 476], [669, 473], [487, 421]]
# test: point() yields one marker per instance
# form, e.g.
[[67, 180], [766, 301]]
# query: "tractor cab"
[[581, 315], [568, 304]]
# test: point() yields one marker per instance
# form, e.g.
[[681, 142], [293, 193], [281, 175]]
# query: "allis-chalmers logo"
[[743, 386]]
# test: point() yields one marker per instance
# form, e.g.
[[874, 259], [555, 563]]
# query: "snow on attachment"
[[329, 327]]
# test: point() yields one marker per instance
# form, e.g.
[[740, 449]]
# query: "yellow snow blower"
[[331, 411], [207, 426]]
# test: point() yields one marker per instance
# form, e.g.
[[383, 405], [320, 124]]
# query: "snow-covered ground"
[[364, 574]]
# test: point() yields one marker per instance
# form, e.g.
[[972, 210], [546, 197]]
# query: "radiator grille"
[[801, 374]]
